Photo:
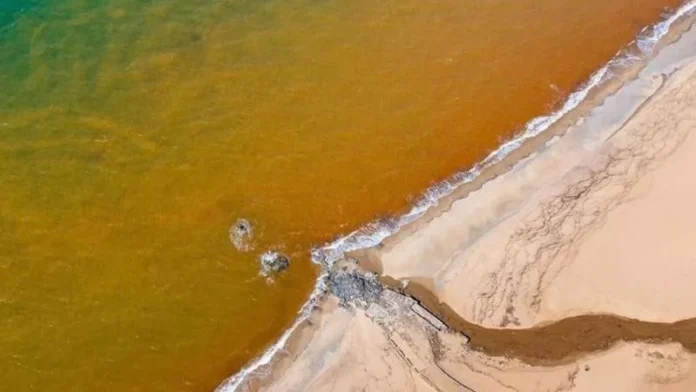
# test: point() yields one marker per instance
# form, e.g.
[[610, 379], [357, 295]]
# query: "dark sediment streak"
[[557, 342]]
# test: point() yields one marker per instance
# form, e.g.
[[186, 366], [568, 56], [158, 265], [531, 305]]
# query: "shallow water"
[[134, 133]]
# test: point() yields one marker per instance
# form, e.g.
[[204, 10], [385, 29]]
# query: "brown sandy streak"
[[556, 343]]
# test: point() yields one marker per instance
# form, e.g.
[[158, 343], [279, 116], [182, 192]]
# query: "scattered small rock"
[[273, 263], [587, 368], [354, 287], [241, 235]]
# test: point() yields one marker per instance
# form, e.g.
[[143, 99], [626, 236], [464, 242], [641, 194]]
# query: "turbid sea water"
[[134, 133]]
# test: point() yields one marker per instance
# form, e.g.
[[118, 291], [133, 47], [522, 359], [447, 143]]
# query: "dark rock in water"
[[354, 287], [274, 262], [241, 235]]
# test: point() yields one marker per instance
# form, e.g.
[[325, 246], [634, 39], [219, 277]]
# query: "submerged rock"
[[241, 235], [354, 287], [273, 262]]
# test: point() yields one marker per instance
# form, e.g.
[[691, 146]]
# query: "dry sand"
[[601, 221], [548, 267]]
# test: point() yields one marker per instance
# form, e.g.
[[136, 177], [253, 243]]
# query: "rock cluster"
[[354, 287], [273, 262]]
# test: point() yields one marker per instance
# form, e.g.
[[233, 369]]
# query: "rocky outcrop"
[[354, 287], [273, 263], [242, 234]]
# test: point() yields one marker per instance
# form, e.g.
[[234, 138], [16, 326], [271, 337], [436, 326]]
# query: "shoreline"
[[604, 82], [295, 340], [595, 97]]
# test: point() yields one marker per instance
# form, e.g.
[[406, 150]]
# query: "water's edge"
[[375, 232]]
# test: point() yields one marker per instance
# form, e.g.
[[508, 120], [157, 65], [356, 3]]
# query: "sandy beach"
[[571, 269]]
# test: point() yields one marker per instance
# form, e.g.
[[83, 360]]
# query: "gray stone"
[[273, 262], [354, 287]]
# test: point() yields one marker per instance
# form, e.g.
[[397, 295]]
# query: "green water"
[[116, 268]]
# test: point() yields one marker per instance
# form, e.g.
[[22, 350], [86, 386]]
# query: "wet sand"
[[570, 270]]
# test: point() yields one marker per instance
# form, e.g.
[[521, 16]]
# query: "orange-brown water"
[[133, 134]]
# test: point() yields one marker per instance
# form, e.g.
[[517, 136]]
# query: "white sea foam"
[[260, 366], [649, 38], [375, 232]]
